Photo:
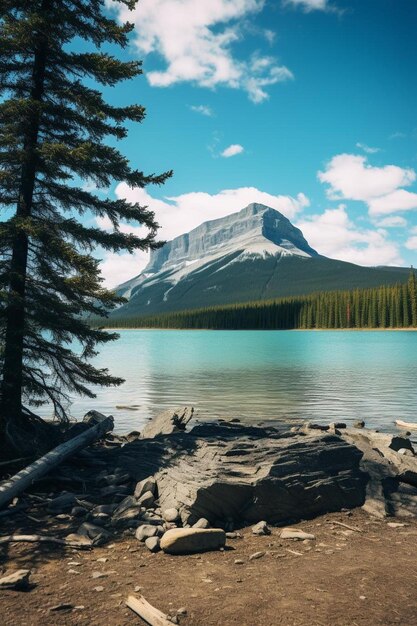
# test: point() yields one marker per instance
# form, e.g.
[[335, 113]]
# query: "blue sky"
[[306, 105]]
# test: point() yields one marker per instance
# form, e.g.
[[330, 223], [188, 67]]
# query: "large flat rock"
[[245, 473]]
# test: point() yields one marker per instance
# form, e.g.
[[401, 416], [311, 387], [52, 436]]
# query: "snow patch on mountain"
[[255, 231]]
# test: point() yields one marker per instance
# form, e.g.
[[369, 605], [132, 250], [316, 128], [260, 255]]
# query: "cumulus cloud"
[[195, 40], [203, 109], [411, 243], [350, 177], [333, 234], [367, 149], [180, 214], [232, 150]]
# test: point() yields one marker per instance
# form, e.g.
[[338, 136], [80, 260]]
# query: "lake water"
[[261, 376]]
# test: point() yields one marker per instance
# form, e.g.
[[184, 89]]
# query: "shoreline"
[[304, 330]]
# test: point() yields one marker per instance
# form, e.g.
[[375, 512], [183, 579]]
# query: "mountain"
[[254, 254]]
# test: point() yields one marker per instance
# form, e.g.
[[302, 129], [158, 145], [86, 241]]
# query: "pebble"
[[153, 544], [102, 559], [256, 555], [170, 515], [239, 561], [202, 523], [99, 588], [182, 611], [99, 575], [145, 531], [261, 528]]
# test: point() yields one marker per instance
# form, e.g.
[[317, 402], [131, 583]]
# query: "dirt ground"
[[342, 578]]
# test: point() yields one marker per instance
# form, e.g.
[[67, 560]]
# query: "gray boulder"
[[148, 484], [253, 474]]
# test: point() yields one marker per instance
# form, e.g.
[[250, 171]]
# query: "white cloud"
[[232, 150], [310, 5], [203, 109], [367, 149], [195, 39], [392, 222], [411, 243], [333, 234], [180, 214], [350, 177]]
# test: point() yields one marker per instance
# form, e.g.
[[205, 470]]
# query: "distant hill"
[[255, 254]]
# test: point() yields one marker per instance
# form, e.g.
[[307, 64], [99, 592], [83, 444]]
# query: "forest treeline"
[[380, 307]]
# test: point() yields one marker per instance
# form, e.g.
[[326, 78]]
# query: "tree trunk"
[[12, 381]]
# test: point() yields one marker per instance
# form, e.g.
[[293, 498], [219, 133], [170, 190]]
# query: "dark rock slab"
[[254, 474]]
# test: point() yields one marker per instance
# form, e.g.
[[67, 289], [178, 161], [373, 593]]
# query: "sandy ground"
[[342, 578]]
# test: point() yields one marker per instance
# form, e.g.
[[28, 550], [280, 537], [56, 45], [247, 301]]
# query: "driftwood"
[[147, 612], [25, 478], [358, 530], [43, 539], [410, 425]]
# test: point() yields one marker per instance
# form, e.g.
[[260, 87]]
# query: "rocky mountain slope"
[[254, 254]]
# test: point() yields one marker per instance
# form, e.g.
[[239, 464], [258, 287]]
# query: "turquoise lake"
[[261, 376]]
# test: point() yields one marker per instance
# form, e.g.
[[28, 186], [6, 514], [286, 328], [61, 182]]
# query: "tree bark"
[[25, 478], [12, 381]]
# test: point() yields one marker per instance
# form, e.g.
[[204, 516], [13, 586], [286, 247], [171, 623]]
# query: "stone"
[[239, 561], [153, 544], [168, 422], [202, 523], [108, 509], [256, 555], [99, 575], [146, 500], [221, 473], [64, 502], [76, 538], [112, 490], [148, 484], [190, 540], [396, 525], [127, 516], [261, 528], [97, 534], [296, 533], [99, 588], [182, 611], [145, 531], [78, 511], [358, 424], [170, 515], [405, 452], [16, 580]]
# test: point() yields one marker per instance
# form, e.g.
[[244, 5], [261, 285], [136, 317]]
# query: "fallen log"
[[147, 612], [410, 425], [25, 478], [44, 539]]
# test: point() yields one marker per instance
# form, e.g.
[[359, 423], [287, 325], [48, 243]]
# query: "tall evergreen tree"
[[53, 133]]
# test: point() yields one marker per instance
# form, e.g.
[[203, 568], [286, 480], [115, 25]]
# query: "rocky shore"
[[185, 489]]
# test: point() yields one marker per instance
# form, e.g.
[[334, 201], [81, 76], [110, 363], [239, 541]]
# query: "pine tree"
[[54, 127]]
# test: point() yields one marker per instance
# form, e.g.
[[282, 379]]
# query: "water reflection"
[[271, 375]]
